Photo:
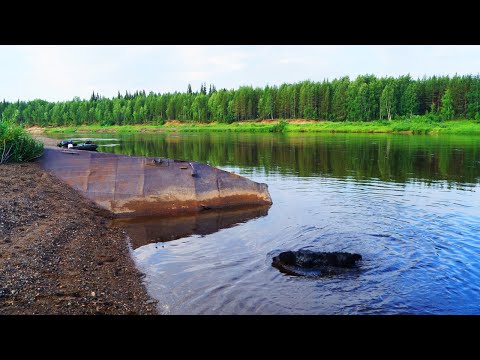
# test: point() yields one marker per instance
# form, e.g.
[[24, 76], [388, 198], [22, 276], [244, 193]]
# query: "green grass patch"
[[415, 125], [17, 145]]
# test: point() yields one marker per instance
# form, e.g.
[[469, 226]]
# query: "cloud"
[[62, 72], [294, 60]]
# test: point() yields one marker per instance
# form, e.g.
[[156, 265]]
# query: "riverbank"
[[58, 252], [410, 126]]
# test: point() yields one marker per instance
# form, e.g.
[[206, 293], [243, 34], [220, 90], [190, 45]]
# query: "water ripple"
[[418, 235]]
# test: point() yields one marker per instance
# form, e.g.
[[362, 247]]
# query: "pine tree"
[[473, 98]]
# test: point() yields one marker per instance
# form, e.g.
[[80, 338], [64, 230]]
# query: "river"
[[409, 204]]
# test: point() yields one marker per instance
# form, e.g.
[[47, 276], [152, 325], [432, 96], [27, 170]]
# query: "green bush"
[[279, 127], [16, 145]]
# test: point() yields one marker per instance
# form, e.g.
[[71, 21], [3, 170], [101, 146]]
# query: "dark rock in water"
[[306, 262]]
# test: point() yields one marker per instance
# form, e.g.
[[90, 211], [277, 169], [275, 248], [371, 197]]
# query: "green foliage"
[[363, 99], [409, 100], [388, 101], [430, 123], [16, 144], [447, 105], [279, 127]]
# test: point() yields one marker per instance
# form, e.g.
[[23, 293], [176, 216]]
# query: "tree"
[[409, 101], [266, 103], [171, 109], [448, 109], [339, 100], [324, 112], [200, 108], [117, 112], [364, 99], [387, 101], [473, 98]]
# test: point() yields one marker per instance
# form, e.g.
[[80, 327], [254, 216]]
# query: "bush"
[[434, 118], [17, 145], [279, 127]]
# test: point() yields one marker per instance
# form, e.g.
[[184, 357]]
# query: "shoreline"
[[59, 253], [411, 126]]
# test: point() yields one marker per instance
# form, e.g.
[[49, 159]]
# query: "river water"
[[409, 204]]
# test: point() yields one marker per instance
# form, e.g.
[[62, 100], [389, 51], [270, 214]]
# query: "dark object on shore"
[[64, 143], [306, 262], [87, 145]]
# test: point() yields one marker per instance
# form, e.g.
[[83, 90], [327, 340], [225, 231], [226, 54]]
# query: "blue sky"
[[61, 72]]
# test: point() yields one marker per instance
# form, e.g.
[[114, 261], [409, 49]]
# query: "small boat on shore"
[[87, 145]]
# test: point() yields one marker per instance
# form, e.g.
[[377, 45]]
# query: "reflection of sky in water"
[[419, 243], [409, 204]]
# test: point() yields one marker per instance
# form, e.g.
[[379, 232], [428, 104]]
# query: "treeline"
[[363, 99]]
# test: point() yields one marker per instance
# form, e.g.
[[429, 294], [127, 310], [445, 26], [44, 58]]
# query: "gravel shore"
[[58, 252]]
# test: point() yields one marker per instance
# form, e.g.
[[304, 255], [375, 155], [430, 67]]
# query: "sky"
[[58, 73]]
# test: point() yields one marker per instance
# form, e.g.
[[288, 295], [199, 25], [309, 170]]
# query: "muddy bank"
[[58, 253]]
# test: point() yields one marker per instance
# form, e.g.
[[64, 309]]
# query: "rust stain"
[[129, 185]]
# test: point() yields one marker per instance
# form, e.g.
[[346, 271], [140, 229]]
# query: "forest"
[[366, 98]]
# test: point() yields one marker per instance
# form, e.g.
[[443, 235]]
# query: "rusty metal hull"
[[132, 186]]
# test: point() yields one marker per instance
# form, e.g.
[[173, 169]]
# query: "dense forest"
[[364, 99]]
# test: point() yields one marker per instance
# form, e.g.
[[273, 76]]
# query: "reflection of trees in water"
[[386, 157]]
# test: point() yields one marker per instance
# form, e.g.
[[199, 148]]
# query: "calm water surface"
[[409, 204]]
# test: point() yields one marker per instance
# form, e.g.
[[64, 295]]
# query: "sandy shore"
[[58, 252]]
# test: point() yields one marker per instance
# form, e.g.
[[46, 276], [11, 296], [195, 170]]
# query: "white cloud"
[[228, 62], [294, 60], [62, 72]]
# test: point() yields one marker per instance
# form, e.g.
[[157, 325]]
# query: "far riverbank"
[[410, 126]]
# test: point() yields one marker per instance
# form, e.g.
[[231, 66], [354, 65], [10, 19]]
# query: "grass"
[[17, 145], [416, 125]]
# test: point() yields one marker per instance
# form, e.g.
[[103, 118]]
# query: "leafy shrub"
[[17, 145], [279, 127]]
